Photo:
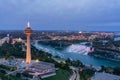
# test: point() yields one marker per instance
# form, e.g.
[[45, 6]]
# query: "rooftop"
[[105, 76]]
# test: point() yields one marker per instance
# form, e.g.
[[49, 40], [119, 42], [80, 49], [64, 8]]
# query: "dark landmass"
[[60, 44], [109, 50]]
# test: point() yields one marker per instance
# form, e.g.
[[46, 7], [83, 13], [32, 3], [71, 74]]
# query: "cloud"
[[59, 12]]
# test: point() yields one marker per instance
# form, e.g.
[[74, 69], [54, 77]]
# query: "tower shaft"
[[28, 52]]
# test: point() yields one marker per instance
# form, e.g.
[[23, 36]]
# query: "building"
[[5, 39], [28, 31], [41, 69], [105, 76], [17, 40]]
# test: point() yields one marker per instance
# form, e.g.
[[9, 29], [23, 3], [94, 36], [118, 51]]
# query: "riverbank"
[[106, 54], [102, 57]]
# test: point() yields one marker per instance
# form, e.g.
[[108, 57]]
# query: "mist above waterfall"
[[79, 49]]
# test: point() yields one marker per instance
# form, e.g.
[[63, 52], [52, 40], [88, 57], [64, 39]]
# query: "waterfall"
[[80, 49]]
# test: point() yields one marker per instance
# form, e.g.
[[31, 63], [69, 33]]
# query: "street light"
[[36, 60]]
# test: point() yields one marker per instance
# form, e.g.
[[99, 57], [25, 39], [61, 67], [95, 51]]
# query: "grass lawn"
[[60, 75]]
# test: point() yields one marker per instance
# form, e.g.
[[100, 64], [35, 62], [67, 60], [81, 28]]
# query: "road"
[[12, 72], [78, 75], [75, 75]]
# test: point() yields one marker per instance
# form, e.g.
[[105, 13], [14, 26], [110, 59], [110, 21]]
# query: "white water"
[[79, 49]]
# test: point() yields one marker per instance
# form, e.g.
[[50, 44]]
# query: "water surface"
[[86, 59]]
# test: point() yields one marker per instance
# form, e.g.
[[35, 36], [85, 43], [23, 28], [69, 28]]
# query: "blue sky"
[[87, 15]]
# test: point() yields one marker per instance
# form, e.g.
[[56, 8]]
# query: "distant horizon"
[[58, 30], [40, 29], [63, 28]]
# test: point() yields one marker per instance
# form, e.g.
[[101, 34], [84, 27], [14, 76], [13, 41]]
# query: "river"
[[86, 59]]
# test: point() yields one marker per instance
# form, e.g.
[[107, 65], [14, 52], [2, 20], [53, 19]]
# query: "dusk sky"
[[87, 15]]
